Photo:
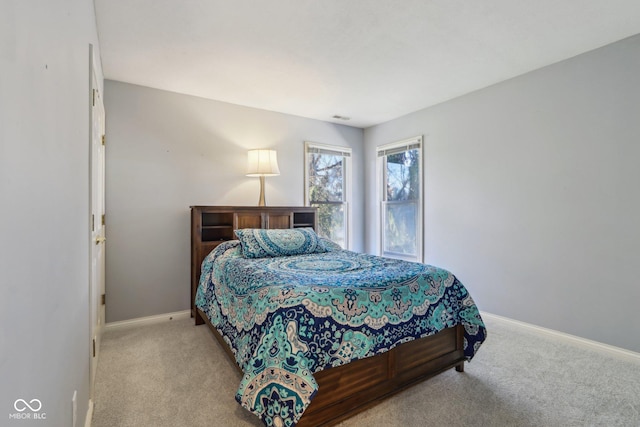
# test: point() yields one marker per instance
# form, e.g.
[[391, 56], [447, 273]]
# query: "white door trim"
[[96, 212]]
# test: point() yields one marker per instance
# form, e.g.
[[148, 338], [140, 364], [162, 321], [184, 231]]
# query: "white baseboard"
[[583, 342], [87, 420], [148, 320]]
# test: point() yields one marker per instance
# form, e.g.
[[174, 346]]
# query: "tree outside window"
[[326, 188], [401, 215]]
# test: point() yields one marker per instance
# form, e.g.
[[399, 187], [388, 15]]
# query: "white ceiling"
[[370, 60]]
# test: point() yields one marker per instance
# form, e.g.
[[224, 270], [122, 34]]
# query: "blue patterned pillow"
[[330, 245], [262, 243]]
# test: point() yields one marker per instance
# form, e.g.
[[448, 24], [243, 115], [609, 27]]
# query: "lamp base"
[[261, 201]]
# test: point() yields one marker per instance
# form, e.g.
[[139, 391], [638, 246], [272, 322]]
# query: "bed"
[[320, 333]]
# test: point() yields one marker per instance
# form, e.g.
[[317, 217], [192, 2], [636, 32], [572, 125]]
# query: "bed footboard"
[[347, 390], [352, 388]]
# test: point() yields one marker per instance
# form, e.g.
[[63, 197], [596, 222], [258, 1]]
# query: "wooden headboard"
[[212, 225]]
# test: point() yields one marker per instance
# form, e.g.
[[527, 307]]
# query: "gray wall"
[[166, 152], [531, 193], [44, 207]]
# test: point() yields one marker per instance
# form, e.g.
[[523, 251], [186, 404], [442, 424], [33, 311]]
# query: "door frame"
[[96, 219]]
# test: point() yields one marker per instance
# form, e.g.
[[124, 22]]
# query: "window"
[[327, 187], [400, 172]]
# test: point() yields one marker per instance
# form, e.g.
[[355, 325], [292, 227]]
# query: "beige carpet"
[[175, 374]]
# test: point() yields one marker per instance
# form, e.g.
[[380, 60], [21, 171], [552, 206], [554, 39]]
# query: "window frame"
[[382, 151], [347, 154]]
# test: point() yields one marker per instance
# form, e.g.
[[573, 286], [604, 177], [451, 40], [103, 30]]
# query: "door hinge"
[[93, 222], [94, 347], [93, 98], [103, 220], [104, 139], [103, 299]]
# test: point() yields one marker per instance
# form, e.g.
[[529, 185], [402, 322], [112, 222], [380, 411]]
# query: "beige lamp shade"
[[263, 163]]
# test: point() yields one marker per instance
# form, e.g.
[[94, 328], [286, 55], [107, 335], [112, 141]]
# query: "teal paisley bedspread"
[[288, 317]]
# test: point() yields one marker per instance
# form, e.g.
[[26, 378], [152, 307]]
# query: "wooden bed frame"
[[346, 390], [349, 389]]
